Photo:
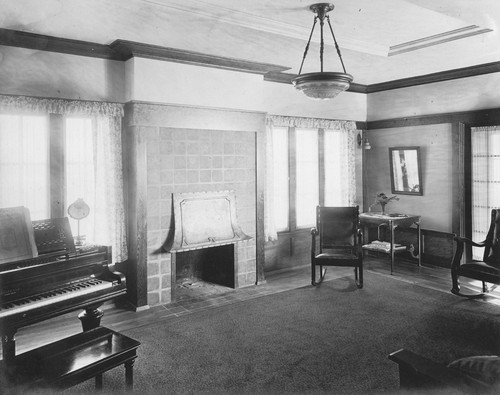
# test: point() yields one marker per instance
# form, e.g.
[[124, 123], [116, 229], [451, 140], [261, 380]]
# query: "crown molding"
[[451, 35], [41, 42], [441, 76], [122, 50], [129, 49]]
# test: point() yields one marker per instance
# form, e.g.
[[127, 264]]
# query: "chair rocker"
[[339, 244], [487, 270]]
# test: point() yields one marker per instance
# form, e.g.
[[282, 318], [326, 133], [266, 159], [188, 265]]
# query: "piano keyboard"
[[53, 296]]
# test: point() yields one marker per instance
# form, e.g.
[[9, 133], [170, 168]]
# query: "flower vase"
[[383, 207]]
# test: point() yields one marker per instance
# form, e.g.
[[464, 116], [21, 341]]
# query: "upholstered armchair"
[[487, 270]]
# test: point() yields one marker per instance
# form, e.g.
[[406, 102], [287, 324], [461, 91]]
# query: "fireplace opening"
[[204, 271]]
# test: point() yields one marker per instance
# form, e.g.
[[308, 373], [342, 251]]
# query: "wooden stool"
[[75, 359]]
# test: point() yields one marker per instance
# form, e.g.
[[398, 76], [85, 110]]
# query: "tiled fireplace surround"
[[175, 149]]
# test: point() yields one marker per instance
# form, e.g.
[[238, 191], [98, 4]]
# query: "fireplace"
[[202, 245]]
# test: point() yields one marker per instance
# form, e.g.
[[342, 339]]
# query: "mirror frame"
[[418, 170]]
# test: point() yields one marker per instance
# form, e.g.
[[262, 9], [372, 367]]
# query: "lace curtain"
[[485, 181], [110, 227], [346, 146]]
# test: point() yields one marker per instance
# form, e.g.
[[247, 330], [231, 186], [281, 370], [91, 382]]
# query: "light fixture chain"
[[336, 45], [307, 45]]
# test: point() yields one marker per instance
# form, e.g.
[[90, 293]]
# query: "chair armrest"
[[314, 233], [460, 239], [416, 371], [457, 256]]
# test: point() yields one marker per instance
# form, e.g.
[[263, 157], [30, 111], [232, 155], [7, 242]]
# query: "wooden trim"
[[123, 50], [129, 49], [464, 72], [135, 168], [479, 117], [292, 176], [41, 42], [260, 167], [436, 39]]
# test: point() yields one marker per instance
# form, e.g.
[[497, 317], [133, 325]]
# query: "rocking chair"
[[487, 270], [339, 242]]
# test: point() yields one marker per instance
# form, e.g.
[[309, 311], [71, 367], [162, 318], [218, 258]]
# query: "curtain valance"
[[61, 106], [311, 123]]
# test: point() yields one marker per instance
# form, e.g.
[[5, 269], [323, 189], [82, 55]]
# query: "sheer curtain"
[[340, 178], [485, 181], [106, 183], [24, 163], [340, 167]]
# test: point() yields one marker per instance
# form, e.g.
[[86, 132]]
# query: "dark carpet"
[[328, 339]]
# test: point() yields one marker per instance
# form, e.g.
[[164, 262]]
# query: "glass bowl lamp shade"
[[322, 85]]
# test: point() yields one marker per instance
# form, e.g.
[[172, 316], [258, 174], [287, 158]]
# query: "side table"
[[392, 221]]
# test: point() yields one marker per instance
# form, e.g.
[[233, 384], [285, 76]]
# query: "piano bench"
[[75, 359]]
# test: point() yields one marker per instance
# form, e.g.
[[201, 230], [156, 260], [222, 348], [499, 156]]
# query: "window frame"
[[292, 171]]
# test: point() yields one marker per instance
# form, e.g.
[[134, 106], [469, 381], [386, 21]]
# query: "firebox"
[[203, 243]]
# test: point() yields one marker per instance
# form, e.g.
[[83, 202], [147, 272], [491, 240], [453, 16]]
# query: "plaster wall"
[[465, 94], [54, 75], [283, 99], [435, 142]]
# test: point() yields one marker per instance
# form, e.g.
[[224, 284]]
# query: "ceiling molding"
[[235, 16], [452, 35], [41, 42], [129, 49], [441, 76], [122, 50]]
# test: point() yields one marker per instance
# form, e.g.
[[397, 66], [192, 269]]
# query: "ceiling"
[[380, 40]]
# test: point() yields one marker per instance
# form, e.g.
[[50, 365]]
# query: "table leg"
[[129, 374], [419, 235], [98, 382], [391, 226]]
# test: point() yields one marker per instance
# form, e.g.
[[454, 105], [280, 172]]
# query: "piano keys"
[[55, 283]]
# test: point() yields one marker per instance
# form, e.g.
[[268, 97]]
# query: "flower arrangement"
[[383, 200]]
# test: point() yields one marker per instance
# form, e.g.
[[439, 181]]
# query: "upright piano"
[[61, 279]]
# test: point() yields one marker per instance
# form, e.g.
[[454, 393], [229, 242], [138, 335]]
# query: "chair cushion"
[[483, 368]]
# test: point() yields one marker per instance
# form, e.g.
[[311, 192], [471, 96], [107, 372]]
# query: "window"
[[311, 166], [79, 174], [281, 178], [485, 145], [48, 161], [24, 163], [307, 173]]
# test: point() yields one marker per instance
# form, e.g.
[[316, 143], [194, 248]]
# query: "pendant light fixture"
[[322, 85]]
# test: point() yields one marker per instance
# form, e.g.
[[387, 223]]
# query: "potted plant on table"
[[383, 200]]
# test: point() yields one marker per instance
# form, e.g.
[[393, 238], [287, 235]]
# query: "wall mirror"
[[406, 174]]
